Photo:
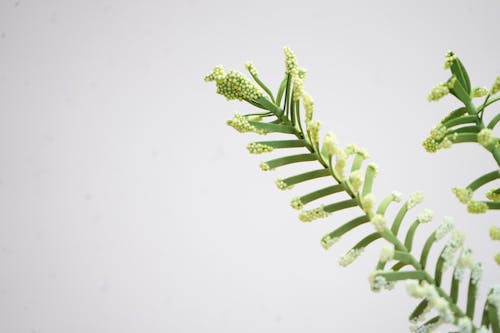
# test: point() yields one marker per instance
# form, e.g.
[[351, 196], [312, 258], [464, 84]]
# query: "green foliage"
[[351, 185], [466, 124]]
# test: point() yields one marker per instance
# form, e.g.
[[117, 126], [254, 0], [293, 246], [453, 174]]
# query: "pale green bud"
[[313, 214], [313, 127], [450, 57], [479, 92], [251, 68], [282, 185], [484, 137], [477, 207], [296, 203], [387, 253], [492, 195], [368, 202], [356, 180], [415, 199], [350, 256], [241, 124], [495, 233], [379, 222], [327, 241], [464, 195], [308, 106], [258, 148], [496, 86]]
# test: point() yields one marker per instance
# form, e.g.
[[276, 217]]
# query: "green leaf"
[[458, 69], [366, 241], [341, 205], [426, 249], [494, 121], [455, 285], [281, 90], [399, 219], [278, 162], [484, 179], [454, 114], [465, 129], [396, 267], [417, 312], [340, 231], [459, 92], [460, 121], [270, 106], [471, 299], [321, 193], [272, 128], [405, 275], [284, 143], [438, 275], [410, 234], [306, 176], [493, 318]]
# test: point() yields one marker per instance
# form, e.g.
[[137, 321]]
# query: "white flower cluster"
[[450, 57], [308, 106], [387, 253], [426, 216], [313, 214], [379, 222], [265, 167], [464, 325], [330, 146], [476, 272], [251, 68], [233, 84], [356, 180], [492, 195], [350, 256], [441, 90], [415, 199], [454, 244], [368, 202], [464, 262], [378, 282], [297, 74], [477, 207], [494, 298], [258, 148], [282, 185], [352, 149], [464, 195], [328, 241], [479, 92], [429, 292], [340, 163], [438, 132], [396, 195], [496, 86], [313, 127], [241, 124], [296, 203], [485, 137], [444, 228]]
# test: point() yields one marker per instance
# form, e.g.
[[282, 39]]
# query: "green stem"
[[484, 179]]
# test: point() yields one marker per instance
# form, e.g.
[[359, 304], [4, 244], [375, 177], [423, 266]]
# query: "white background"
[[127, 204]]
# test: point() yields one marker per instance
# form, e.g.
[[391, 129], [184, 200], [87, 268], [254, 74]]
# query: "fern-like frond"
[[343, 168]]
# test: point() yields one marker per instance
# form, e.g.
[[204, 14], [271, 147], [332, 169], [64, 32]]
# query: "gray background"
[[127, 204]]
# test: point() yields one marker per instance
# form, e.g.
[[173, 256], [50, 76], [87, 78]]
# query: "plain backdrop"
[[127, 204]]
